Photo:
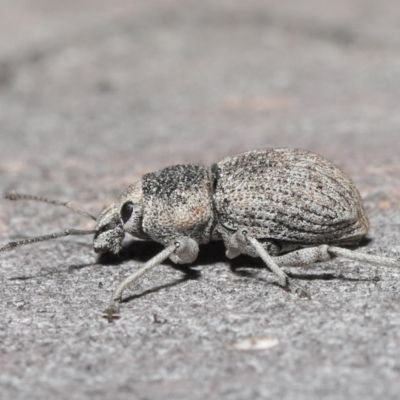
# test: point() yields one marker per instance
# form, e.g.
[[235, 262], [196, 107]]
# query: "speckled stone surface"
[[93, 94]]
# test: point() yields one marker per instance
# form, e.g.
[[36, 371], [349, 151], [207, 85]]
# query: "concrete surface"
[[95, 93]]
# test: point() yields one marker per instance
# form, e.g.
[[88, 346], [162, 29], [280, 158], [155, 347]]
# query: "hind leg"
[[242, 243], [310, 255]]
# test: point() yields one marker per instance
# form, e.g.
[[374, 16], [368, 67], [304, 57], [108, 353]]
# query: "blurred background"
[[108, 90], [95, 93]]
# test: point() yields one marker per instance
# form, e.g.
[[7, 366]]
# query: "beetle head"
[[109, 231], [124, 216]]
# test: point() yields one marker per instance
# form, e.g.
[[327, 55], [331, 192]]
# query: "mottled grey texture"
[[177, 202], [289, 195], [95, 94], [109, 231]]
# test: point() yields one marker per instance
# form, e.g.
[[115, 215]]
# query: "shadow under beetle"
[[289, 207]]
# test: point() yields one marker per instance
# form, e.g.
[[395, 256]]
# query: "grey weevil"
[[289, 207]]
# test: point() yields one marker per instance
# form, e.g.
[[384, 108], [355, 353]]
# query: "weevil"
[[289, 207]]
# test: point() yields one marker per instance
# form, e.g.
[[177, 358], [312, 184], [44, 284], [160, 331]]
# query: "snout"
[[98, 250], [115, 249]]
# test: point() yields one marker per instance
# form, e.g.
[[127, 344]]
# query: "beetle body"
[[291, 197], [288, 195]]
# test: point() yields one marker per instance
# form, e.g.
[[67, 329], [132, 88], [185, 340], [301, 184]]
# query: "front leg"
[[183, 250]]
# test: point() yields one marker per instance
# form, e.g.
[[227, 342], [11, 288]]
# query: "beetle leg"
[[283, 279], [183, 250], [186, 251], [304, 257], [309, 255], [236, 244], [355, 255]]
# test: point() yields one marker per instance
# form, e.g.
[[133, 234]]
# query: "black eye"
[[126, 211]]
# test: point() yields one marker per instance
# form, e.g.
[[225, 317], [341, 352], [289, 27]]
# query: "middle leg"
[[242, 243]]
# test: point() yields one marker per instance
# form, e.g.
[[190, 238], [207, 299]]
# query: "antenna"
[[68, 232], [68, 204]]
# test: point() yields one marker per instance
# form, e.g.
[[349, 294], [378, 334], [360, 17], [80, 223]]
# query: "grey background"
[[95, 93]]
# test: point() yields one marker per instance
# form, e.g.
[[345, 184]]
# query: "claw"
[[111, 312], [298, 290]]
